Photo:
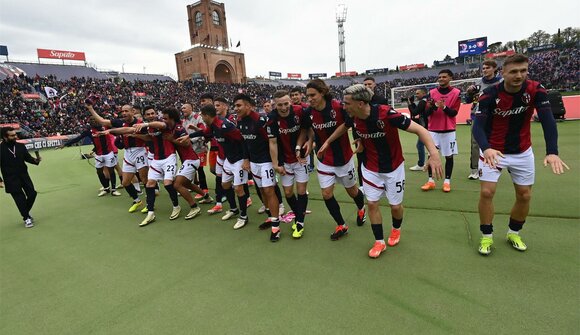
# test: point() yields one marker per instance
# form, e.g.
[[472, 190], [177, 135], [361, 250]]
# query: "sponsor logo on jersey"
[[289, 130], [329, 124], [371, 135], [515, 111]]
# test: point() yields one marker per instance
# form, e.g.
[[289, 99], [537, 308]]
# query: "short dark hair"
[[5, 130], [206, 96], [222, 100], [173, 113], [209, 110], [515, 59], [447, 71], [245, 98], [280, 94], [148, 107], [370, 78], [296, 89]]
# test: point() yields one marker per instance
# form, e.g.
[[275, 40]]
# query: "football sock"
[[150, 191], [172, 194], [397, 223], [243, 202], [515, 226], [202, 178], [486, 229], [359, 199], [334, 210], [292, 202], [448, 167], [378, 231]]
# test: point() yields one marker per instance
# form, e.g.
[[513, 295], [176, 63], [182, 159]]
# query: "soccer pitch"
[[87, 268]]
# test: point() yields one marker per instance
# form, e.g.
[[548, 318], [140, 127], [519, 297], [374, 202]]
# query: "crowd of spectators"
[[66, 114], [557, 69]]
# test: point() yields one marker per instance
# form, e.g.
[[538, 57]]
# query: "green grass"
[[570, 93], [87, 268]]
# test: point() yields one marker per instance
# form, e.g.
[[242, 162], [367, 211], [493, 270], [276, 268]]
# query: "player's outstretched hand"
[[307, 146], [182, 140], [280, 169], [556, 163], [139, 126], [322, 149], [434, 162], [246, 165], [358, 146], [491, 157]]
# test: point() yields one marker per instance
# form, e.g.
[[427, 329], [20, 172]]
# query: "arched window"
[[197, 19], [215, 18]]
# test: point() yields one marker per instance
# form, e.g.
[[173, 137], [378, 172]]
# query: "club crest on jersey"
[[296, 119], [526, 98], [380, 124], [333, 114]]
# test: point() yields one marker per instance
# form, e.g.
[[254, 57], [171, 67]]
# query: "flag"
[[50, 92], [238, 45]]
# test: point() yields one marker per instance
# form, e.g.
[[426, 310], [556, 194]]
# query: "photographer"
[[13, 159], [490, 77], [418, 115]]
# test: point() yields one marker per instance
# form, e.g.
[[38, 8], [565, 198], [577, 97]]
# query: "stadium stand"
[[23, 99]]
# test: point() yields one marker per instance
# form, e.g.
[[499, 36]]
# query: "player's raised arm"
[[98, 118]]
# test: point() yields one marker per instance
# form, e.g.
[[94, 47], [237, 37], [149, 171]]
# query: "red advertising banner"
[[411, 67], [60, 54], [13, 125], [32, 96], [346, 74], [500, 54], [294, 75]]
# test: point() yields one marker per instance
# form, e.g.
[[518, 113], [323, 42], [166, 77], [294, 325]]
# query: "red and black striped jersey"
[[380, 137], [162, 148], [325, 123], [184, 152], [287, 130], [506, 116], [128, 141]]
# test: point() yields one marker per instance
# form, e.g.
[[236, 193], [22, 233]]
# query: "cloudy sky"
[[284, 36]]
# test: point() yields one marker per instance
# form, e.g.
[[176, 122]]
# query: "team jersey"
[[128, 141], [505, 118], [162, 148], [103, 143], [228, 137], [287, 130], [256, 139], [325, 123], [184, 152], [219, 148], [380, 137]]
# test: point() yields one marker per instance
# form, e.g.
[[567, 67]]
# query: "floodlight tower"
[[340, 20]]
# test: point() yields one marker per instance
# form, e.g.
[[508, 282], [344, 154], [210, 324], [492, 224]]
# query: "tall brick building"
[[209, 56]]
